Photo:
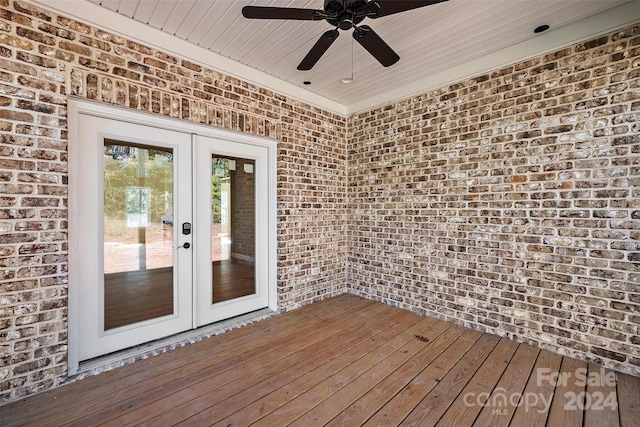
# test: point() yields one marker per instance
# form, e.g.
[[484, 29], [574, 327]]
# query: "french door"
[[231, 211], [172, 232]]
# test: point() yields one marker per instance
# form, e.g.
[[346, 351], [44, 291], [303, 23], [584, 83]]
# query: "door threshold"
[[120, 358]]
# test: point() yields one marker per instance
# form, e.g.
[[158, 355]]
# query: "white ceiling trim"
[[107, 20]]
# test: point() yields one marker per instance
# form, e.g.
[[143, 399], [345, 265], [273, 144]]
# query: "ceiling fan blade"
[[260, 12], [389, 7], [375, 45], [318, 49]]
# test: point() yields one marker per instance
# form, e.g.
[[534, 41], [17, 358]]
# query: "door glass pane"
[[233, 224], [138, 233]]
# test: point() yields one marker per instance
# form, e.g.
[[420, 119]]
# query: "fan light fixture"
[[347, 80]]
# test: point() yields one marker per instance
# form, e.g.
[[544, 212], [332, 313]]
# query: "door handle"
[[187, 245]]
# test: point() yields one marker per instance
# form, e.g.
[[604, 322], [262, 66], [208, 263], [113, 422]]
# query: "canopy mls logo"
[[499, 400]]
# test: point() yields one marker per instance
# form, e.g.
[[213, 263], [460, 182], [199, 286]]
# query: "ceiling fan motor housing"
[[344, 16]]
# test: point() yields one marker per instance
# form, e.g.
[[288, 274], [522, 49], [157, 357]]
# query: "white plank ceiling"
[[429, 40]]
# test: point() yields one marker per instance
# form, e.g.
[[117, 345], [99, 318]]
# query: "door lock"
[[187, 245], [186, 228]]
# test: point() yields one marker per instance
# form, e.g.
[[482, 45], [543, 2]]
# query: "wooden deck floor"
[[346, 361]]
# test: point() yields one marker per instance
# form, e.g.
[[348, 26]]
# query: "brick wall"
[[510, 202], [44, 59]]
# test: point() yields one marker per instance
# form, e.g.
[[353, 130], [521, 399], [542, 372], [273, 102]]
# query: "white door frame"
[[76, 108]]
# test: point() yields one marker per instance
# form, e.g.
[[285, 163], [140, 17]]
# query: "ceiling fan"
[[343, 15]]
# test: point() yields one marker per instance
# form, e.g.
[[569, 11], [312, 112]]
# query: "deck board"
[[440, 337], [412, 394], [343, 398], [310, 372], [537, 395], [310, 398], [310, 377], [277, 364], [499, 408], [566, 388], [218, 348], [628, 390], [466, 407], [600, 398], [436, 403], [217, 380], [216, 369], [166, 361], [345, 361]]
